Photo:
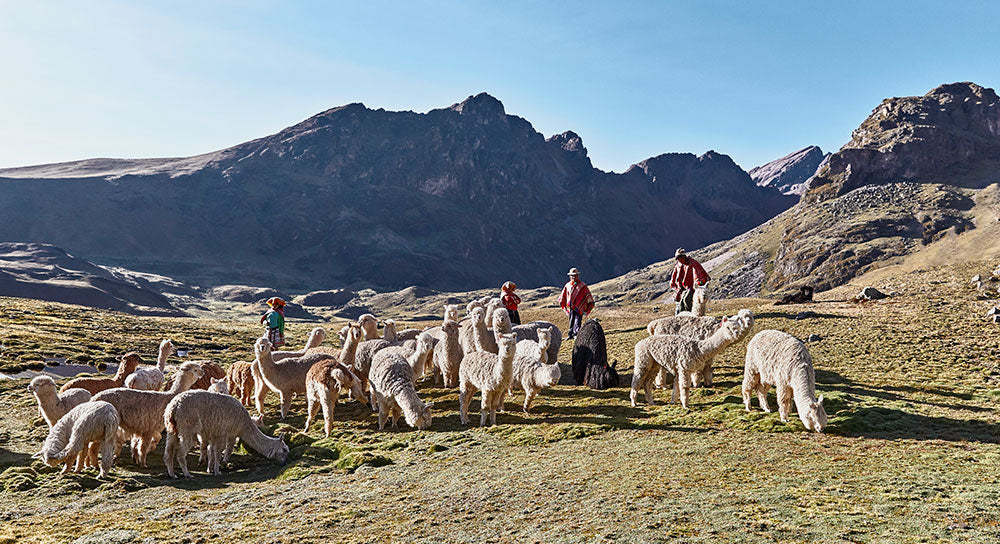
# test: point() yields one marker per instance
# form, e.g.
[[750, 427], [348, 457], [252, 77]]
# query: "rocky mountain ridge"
[[790, 173]]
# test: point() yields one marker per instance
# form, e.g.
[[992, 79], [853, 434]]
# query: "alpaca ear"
[[429, 405], [37, 455], [820, 400]]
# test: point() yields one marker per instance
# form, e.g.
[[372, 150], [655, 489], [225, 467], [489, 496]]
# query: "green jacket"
[[275, 320]]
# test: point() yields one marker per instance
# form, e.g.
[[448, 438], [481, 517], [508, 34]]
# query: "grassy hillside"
[[911, 384]]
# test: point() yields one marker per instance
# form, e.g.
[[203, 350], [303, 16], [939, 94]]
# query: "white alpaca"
[[500, 322], [419, 354], [530, 371], [141, 412], [699, 303], [219, 386], [491, 374], [448, 355], [392, 386], [450, 314], [84, 430], [695, 327], [491, 307], [151, 379], [779, 359], [218, 420], [369, 326], [313, 341], [286, 377], [394, 335], [54, 405], [325, 380], [471, 328], [529, 331], [682, 356]]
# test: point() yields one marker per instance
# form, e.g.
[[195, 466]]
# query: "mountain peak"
[[789, 173], [569, 141], [482, 105]]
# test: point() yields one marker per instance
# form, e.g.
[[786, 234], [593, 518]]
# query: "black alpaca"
[[590, 358], [805, 294]]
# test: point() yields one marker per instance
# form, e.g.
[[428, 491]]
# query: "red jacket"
[[687, 276], [576, 297], [510, 301]]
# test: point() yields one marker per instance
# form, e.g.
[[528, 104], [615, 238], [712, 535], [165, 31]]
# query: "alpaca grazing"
[[529, 331], [327, 378], [782, 360], [218, 420], [129, 362], [151, 379], [530, 371], [491, 374], [447, 355], [286, 377], [682, 356], [418, 353], [240, 381], [84, 430], [55, 405], [141, 412], [691, 326], [602, 377], [804, 295], [392, 386]]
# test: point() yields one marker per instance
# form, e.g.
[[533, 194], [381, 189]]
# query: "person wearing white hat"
[[687, 275], [576, 301]]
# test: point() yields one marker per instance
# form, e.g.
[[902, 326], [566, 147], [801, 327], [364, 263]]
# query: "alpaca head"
[[545, 338], [219, 386], [746, 316], [189, 373], [420, 420], [501, 320], [472, 306], [507, 344], [130, 361], [342, 333], [389, 328], [478, 315], [369, 325], [167, 347], [316, 337], [262, 347], [347, 380], [49, 454], [548, 375], [352, 334], [814, 417], [733, 327], [483, 301], [451, 312], [41, 383], [450, 327], [258, 420], [280, 454]]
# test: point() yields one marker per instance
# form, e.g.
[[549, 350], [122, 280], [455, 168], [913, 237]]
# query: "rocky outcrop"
[[790, 173], [455, 198], [943, 135]]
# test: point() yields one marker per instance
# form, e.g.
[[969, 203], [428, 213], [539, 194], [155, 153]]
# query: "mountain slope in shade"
[[919, 183], [455, 198], [789, 173]]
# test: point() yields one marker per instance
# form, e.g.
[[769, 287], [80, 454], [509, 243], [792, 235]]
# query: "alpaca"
[[682, 356], [492, 305], [141, 412], [369, 326], [285, 377], [210, 372], [326, 378], [529, 331], [483, 334], [240, 381], [491, 374], [450, 314], [530, 371], [698, 328], [698, 303], [470, 329], [363, 357], [447, 355], [590, 358], [418, 354], [392, 387], [804, 295], [218, 420], [313, 341], [151, 379], [500, 322], [779, 359], [55, 405], [129, 362], [395, 335], [219, 386], [84, 430], [472, 306]]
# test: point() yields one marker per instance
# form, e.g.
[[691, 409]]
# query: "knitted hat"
[[680, 251], [508, 286], [275, 302]]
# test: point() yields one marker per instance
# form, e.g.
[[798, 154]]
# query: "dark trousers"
[[575, 320], [686, 303], [515, 317]]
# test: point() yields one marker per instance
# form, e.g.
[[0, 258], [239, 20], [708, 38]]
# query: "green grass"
[[911, 454]]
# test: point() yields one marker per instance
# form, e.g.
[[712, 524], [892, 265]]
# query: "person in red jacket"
[[576, 301], [510, 301], [688, 274]]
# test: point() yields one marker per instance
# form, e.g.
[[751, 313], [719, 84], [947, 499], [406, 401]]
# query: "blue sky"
[[754, 80]]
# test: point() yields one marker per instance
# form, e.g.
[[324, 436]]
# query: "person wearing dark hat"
[[510, 300], [576, 301], [688, 274], [274, 320]]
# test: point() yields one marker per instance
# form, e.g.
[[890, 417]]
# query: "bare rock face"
[[790, 173], [452, 199], [944, 133]]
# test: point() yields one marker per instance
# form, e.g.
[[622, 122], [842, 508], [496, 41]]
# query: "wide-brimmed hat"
[[573, 272], [274, 302], [680, 252], [508, 286]]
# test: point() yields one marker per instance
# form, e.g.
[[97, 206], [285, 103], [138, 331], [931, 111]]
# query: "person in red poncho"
[[510, 301], [688, 274], [576, 301]]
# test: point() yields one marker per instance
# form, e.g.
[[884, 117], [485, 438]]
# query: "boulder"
[[871, 293]]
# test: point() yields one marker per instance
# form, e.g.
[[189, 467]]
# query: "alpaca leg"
[[706, 374], [327, 407], [260, 390], [169, 452], [286, 404], [636, 384], [749, 386], [484, 407], [675, 393], [762, 398], [397, 412], [464, 400], [784, 402], [184, 445], [216, 453], [529, 396], [107, 450], [648, 382], [81, 460], [202, 451], [497, 406], [383, 410], [146, 444], [229, 451], [310, 406], [685, 389]]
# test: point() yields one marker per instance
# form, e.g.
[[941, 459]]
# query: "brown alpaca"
[[211, 371], [240, 381], [129, 362]]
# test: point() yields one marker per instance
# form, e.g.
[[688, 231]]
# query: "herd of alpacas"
[[91, 418]]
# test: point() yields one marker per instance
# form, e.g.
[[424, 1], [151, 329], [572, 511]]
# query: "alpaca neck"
[[506, 360], [258, 441], [389, 333], [804, 395], [313, 341], [123, 370], [161, 361], [47, 400], [370, 331], [266, 362], [410, 403], [180, 384], [543, 352], [711, 346], [350, 350]]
